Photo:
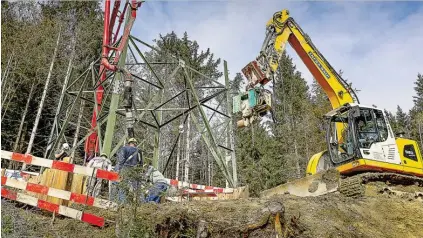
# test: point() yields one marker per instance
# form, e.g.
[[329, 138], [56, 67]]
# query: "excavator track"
[[354, 186]]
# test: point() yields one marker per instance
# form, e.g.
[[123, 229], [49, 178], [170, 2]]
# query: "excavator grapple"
[[254, 74]]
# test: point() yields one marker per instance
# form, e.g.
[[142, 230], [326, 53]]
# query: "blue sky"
[[378, 45]]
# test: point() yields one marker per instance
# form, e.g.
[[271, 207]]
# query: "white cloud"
[[377, 45]]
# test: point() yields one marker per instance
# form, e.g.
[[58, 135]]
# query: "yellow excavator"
[[361, 145]]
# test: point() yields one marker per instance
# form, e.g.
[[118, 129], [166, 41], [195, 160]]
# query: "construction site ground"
[[331, 215]]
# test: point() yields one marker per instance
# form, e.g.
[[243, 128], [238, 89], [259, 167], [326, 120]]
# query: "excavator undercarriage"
[[355, 186]]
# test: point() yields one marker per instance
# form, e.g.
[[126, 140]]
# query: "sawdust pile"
[[331, 215]]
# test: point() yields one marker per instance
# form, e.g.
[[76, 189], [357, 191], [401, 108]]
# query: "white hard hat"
[[65, 146]]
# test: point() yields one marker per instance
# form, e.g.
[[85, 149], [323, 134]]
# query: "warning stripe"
[[60, 165], [207, 192], [58, 193], [181, 184], [59, 209]]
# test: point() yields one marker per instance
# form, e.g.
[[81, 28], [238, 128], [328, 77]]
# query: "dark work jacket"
[[123, 157], [65, 154]]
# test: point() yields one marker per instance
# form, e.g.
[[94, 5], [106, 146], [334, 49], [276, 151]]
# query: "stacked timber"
[[59, 179]]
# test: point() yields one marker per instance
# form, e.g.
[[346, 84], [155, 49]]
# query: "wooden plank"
[[78, 185]]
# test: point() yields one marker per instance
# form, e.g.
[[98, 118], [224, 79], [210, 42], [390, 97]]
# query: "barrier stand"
[[51, 207]]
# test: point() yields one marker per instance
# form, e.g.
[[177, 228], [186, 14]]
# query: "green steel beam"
[[197, 100], [111, 119], [212, 149], [230, 125], [211, 144], [119, 144], [156, 153]]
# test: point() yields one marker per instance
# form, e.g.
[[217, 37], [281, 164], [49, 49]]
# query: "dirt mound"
[[330, 178], [331, 215], [215, 219]]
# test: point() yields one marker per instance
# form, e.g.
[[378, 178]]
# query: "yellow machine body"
[[409, 151]]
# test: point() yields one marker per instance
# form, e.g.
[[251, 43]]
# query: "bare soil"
[[331, 215]]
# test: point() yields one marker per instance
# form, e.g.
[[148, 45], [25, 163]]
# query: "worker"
[[129, 158], [159, 184], [94, 184], [63, 152]]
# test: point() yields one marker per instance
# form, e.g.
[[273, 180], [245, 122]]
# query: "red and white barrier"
[[60, 165], [202, 191], [59, 209], [99, 173], [180, 184], [58, 193]]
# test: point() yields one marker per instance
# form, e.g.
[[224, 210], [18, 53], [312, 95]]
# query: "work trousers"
[[156, 192], [94, 186], [129, 184]]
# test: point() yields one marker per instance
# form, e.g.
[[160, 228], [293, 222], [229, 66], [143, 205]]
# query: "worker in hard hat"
[[129, 157], [63, 152], [94, 184]]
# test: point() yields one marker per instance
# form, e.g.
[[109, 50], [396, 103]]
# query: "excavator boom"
[[280, 30], [283, 29]]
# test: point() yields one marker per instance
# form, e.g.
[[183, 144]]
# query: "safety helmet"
[[103, 154], [65, 146], [132, 140]]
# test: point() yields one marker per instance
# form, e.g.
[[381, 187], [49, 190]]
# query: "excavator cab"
[[359, 132], [340, 135]]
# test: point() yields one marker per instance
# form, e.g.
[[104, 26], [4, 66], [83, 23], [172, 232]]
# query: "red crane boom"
[[91, 144]]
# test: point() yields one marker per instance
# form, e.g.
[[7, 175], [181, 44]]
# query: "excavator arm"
[[280, 30]]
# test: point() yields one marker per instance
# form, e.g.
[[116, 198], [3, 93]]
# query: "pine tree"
[[236, 83], [320, 106], [418, 99], [402, 121], [392, 120], [293, 113], [416, 113], [29, 32]]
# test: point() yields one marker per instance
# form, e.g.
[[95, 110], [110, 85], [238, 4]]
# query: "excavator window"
[[381, 126], [340, 150], [371, 127], [410, 152]]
